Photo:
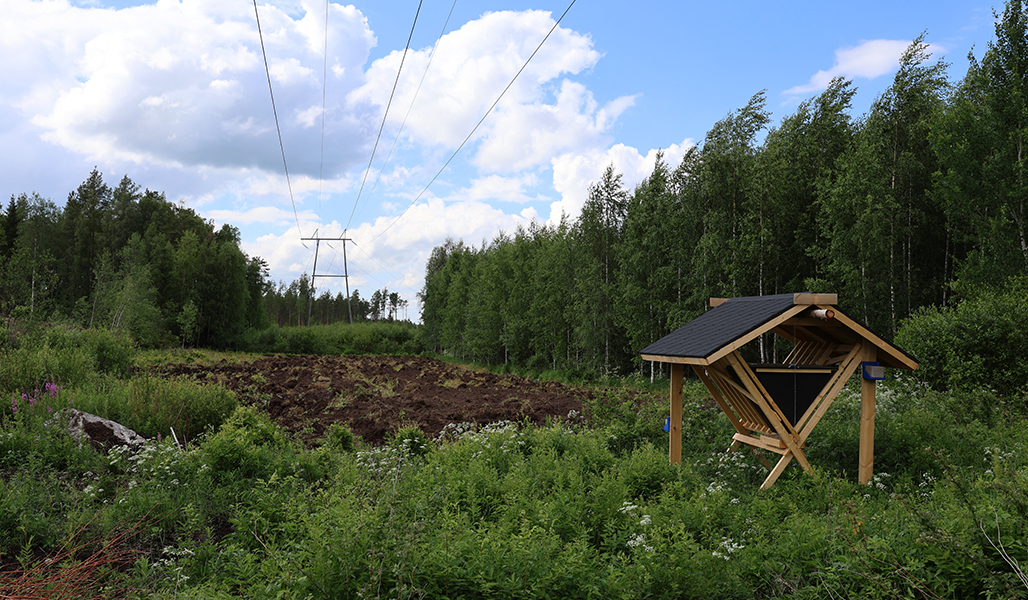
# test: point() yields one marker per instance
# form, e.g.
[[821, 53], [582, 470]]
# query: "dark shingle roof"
[[720, 326]]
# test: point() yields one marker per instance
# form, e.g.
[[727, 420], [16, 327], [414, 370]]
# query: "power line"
[[414, 99], [477, 125], [324, 92], [274, 111], [384, 115]]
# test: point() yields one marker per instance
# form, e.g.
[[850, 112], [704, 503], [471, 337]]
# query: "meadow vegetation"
[[585, 506]]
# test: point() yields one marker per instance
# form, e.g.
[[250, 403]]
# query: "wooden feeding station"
[[774, 407]]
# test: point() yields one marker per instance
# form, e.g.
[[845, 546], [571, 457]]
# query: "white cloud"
[[868, 60], [182, 84], [574, 173], [259, 214], [527, 135], [471, 67]]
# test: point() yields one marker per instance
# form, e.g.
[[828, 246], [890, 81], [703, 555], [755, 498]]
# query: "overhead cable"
[[384, 115], [477, 125], [274, 111]]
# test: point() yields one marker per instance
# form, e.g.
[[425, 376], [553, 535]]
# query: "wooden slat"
[[737, 398], [826, 354], [820, 405], [758, 443], [715, 392]]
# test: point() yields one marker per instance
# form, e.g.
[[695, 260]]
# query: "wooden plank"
[[715, 302], [816, 299], [749, 440], [895, 357], [680, 360], [867, 421], [824, 356], [745, 339], [675, 428], [716, 394], [824, 400], [748, 413]]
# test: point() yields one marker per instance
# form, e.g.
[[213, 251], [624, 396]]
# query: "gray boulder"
[[98, 432]]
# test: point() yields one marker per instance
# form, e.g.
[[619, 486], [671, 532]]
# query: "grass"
[[583, 507]]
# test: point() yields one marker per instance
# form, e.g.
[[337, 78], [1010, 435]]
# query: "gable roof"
[[737, 321]]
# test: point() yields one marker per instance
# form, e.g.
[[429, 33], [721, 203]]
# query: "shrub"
[[411, 439], [339, 438], [980, 343]]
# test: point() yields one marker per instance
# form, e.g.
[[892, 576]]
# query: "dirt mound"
[[375, 395]]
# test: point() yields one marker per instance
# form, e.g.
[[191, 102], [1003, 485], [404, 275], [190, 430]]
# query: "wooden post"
[[675, 427], [867, 418]]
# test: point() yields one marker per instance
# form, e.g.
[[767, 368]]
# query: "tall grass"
[[583, 507]]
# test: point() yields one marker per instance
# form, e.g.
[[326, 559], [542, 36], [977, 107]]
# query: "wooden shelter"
[[775, 407]]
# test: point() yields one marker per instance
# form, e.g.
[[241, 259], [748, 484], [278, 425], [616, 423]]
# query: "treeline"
[[918, 203], [127, 259], [299, 303]]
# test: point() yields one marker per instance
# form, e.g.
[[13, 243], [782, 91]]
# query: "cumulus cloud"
[[867, 60], [470, 69], [183, 84], [574, 173]]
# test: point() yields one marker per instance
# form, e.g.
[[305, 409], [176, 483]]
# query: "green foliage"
[[533, 512], [153, 406], [66, 356], [982, 342], [411, 440], [247, 446], [340, 439], [337, 338]]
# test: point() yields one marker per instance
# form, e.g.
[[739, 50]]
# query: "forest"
[[918, 205], [128, 260]]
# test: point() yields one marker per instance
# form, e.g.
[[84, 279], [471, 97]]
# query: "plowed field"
[[375, 395]]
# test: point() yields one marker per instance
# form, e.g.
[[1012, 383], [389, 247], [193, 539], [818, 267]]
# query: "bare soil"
[[375, 395]]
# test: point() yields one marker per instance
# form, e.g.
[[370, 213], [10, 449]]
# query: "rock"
[[99, 432]]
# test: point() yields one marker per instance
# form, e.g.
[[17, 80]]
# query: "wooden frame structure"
[[775, 407]]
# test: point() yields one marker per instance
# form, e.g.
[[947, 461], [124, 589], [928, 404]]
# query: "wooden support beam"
[[820, 405], [775, 473], [675, 427], [867, 420]]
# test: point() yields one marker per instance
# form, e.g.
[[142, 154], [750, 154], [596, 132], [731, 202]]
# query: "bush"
[[980, 343], [340, 438]]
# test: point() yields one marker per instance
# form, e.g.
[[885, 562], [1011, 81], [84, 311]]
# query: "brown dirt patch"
[[375, 395]]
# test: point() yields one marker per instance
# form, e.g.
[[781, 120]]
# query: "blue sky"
[[175, 95]]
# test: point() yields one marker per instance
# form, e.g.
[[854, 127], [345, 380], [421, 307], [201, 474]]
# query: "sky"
[[175, 94]]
